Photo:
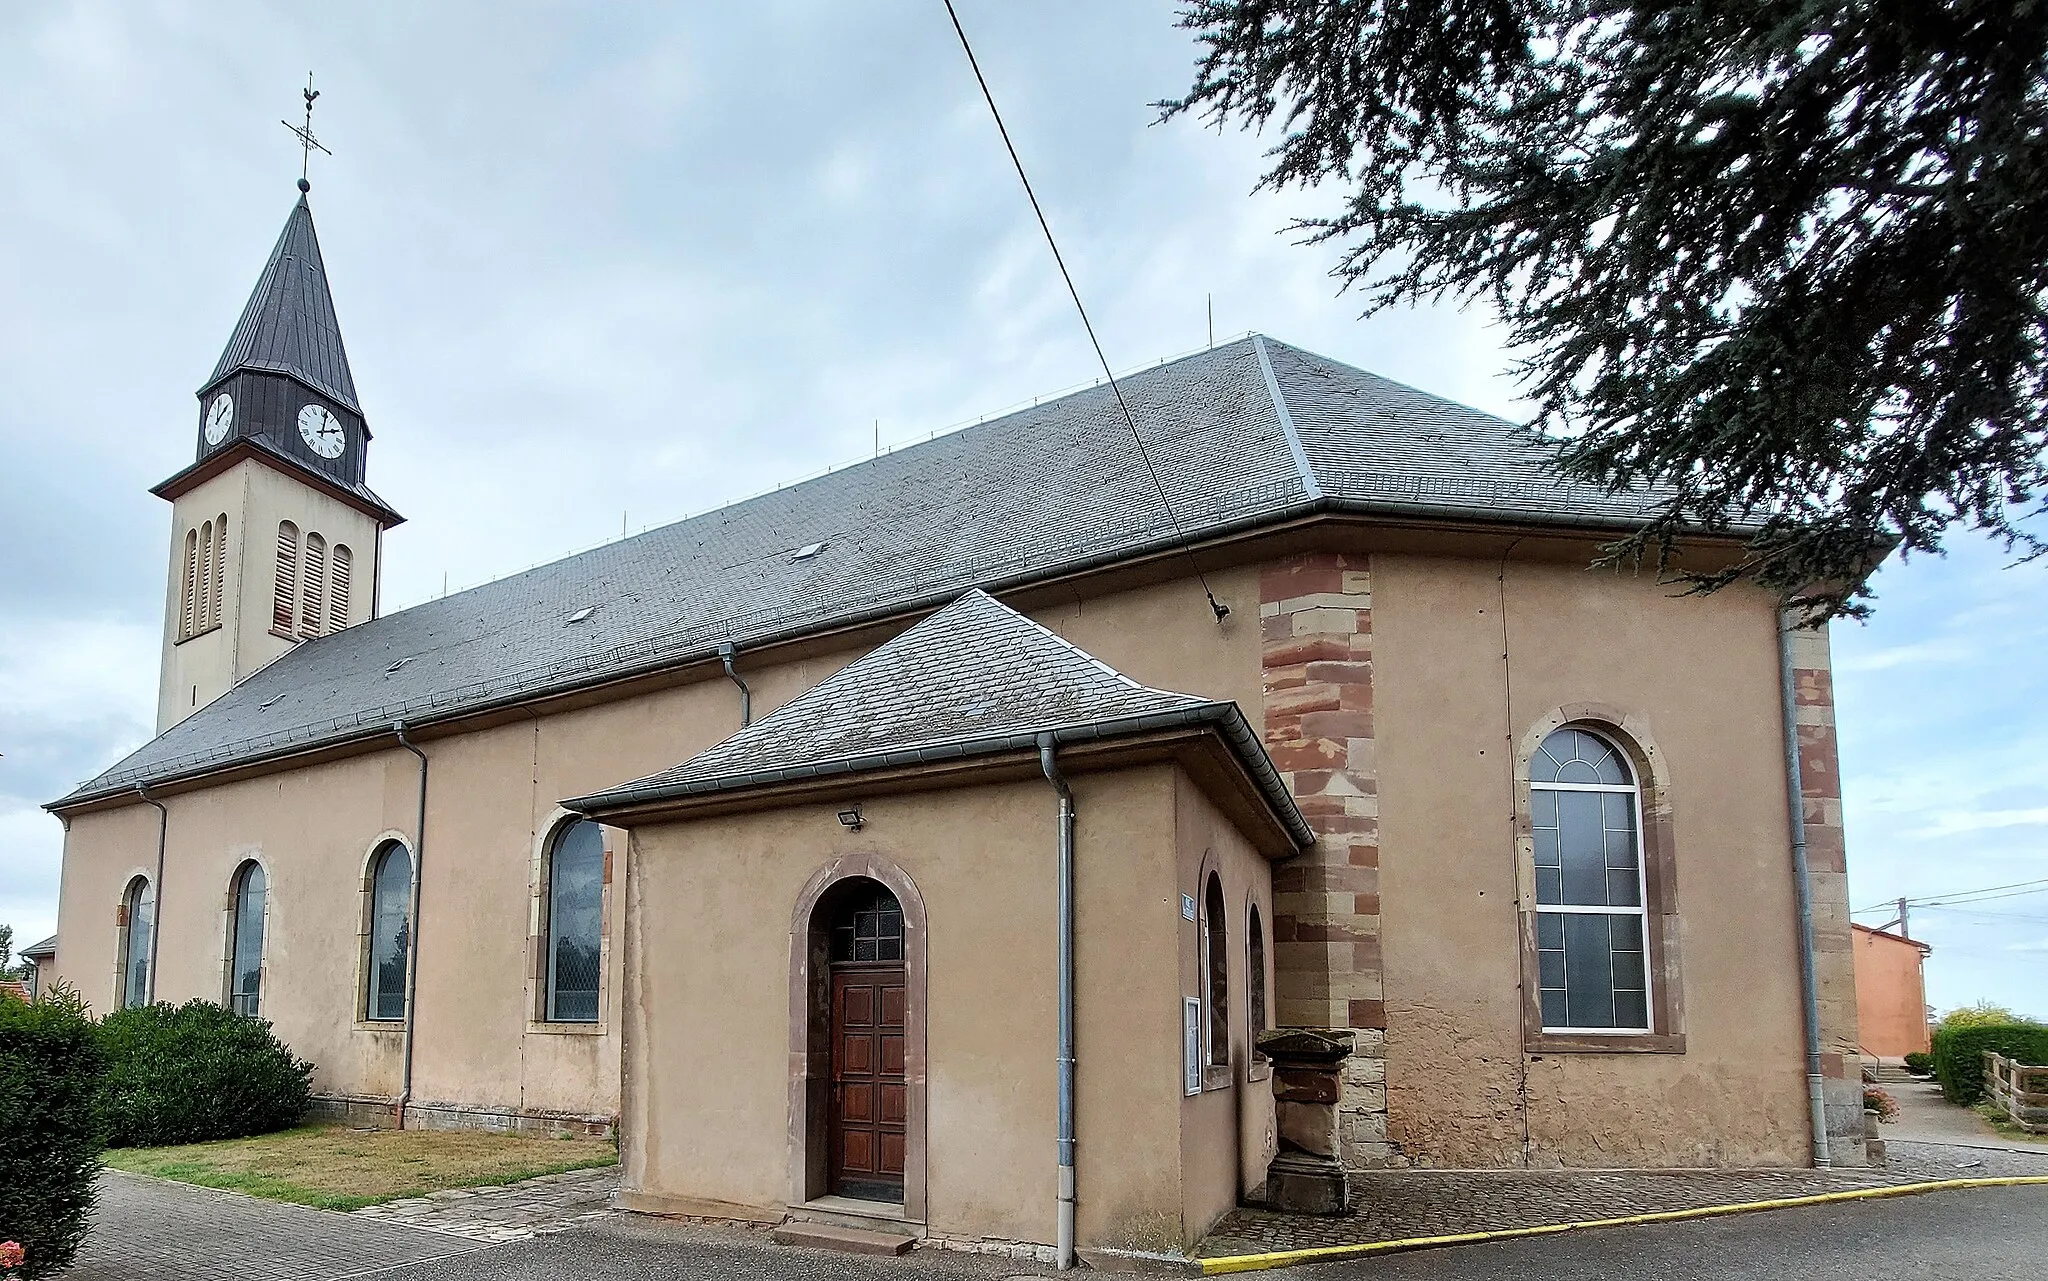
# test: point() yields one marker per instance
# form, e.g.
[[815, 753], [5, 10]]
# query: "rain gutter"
[[412, 960], [726, 653], [1809, 987], [163, 831], [1064, 1230]]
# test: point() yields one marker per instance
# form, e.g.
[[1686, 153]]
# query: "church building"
[[926, 845]]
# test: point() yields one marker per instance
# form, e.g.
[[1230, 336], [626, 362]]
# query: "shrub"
[[1920, 1064], [1880, 1102], [1959, 1054], [195, 1072], [50, 1127], [1983, 1014]]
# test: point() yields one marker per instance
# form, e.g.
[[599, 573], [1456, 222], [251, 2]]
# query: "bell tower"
[[275, 537]]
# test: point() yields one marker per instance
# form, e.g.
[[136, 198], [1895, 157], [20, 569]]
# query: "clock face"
[[220, 416], [322, 431]]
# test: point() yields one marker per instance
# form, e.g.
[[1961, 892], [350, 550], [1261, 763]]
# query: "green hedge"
[[1920, 1064], [50, 1126], [1959, 1054], [195, 1072]]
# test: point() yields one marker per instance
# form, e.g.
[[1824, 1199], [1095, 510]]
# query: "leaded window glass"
[[1216, 964], [245, 965], [868, 925], [390, 932], [139, 911], [1586, 823], [1255, 972], [575, 923]]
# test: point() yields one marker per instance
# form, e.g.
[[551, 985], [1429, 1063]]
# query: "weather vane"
[[304, 133]]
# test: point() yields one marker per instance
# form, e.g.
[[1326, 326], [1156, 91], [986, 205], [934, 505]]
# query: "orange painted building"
[[1891, 993]]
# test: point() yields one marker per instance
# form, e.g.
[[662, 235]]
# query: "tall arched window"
[[313, 591], [204, 612], [138, 930], [1591, 936], [284, 601], [1216, 965], [188, 588], [341, 566], [220, 567], [1255, 973], [575, 923], [245, 952], [390, 932]]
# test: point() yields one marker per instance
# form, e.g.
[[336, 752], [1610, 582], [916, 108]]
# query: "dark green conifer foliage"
[[1786, 260]]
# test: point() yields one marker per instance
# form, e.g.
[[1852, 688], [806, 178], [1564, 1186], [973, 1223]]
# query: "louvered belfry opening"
[[313, 591], [220, 567], [285, 602], [341, 563], [188, 588]]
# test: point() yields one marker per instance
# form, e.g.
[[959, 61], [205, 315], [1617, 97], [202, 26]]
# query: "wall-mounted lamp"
[[849, 818]]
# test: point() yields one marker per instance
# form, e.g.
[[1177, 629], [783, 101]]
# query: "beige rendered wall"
[[1701, 677], [1891, 998], [1227, 1131], [706, 1110]]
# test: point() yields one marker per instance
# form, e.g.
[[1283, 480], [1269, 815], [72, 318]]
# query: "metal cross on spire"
[[304, 133]]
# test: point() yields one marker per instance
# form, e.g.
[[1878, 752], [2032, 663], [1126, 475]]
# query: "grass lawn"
[[2004, 1125], [332, 1167]]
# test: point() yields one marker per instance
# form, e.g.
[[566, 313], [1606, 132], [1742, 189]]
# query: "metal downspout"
[[1809, 988], [163, 831], [725, 656], [1065, 1235], [412, 959]]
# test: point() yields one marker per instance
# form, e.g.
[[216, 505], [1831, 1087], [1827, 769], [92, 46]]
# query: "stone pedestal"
[[1307, 1177]]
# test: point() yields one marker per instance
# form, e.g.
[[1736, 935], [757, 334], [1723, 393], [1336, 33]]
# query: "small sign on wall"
[[1187, 906], [1191, 1043]]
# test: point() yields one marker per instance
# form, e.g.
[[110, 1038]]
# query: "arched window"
[[341, 565], [284, 601], [1216, 965], [204, 612], [245, 936], [313, 591], [390, 932], [575, 923], [188, 588], [1255, 973], [220, 566], [1591, 922], [138, 929], [867, 925]]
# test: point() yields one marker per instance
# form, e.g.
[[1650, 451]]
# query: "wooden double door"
[[869, 1101]]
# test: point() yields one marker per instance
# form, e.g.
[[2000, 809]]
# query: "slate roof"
[[975, 678], [48, 947], [288, 325], [1242, 435]]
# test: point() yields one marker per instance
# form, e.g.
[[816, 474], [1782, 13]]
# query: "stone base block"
[[1298, 1183]]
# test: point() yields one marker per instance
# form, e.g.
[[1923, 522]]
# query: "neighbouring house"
[[1891, 993], [741, 838], [42, 965]]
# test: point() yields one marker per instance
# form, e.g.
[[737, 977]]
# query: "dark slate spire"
[[289, 325]]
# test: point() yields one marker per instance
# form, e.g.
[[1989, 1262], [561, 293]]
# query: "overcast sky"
[[629, 262]]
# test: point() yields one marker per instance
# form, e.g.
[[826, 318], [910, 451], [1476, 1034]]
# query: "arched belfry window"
[[284, 601], [341, 565], [313, 588], [390, 932], [1591, 918], [575, 923], [188, 588], [138, 929], [1216, 968], [245, 939]]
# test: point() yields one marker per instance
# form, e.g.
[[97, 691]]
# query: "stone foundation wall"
[[1315, 613], [374, 1112]]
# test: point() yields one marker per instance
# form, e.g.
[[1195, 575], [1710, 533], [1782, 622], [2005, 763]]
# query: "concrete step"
[[834, 1236]]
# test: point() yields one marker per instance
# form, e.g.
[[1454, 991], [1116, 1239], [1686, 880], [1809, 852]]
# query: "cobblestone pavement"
[[1950, 1161], [551, 1203], [162, 1231], [1392, 1205]]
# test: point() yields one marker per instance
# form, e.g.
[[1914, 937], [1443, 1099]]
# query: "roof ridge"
[[1309, 485]]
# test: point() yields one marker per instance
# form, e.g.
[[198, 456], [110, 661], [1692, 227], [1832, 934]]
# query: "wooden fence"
[[2019, 1091]]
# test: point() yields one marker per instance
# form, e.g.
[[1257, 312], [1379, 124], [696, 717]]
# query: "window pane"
[[1553, 1008], [1550, 931], [1546, 838], [1589, 971], [1621, 888], [1582, 843], [1549, 886], [245, 978], [1543, 808], [867, 923], [575, 923], [1631, 1009], [1550, 965], [390, 933], [1628, 971], [141, 926], [1574, 756]]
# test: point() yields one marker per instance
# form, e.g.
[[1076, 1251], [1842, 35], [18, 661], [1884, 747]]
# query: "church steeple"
[[276, 538]]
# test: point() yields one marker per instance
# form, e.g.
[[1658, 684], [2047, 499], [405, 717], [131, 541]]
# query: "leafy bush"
[[1920, 1064], [50, 1127], [1959, 1054], [1881, 1102], [1983, 1014], [197, 1071]]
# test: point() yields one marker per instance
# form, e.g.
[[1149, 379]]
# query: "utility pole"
[[1903, 928]]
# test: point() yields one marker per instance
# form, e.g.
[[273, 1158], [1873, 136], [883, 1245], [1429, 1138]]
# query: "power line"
[[1989, 892], [1046, 227], [2000, 916]]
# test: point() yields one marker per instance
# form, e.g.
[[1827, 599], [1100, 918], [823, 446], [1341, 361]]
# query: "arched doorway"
[[857, 1032], [868, 1110]]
